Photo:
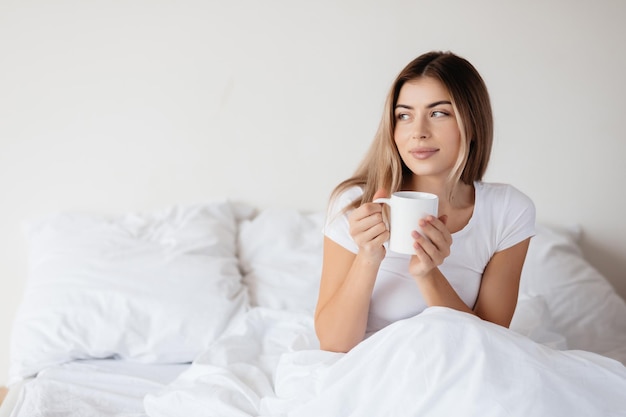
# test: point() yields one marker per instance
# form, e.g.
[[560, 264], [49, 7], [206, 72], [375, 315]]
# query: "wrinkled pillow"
[[280, 253], [154, 287], [582, 304], [532, 319]]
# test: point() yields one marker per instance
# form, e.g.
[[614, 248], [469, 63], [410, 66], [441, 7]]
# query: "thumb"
[[380, 193], [444, 219]]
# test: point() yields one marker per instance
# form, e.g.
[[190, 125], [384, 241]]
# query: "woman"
[[435, 136]]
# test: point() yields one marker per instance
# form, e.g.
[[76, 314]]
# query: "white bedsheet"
[[89, 388], [439, 363]]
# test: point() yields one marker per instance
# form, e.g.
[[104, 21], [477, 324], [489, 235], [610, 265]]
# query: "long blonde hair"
[[383, 167]]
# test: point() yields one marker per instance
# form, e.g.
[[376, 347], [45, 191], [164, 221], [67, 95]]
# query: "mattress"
[[104, 387]]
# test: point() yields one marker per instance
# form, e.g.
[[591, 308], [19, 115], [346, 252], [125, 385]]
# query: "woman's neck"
[[456, 202], [451, 196]]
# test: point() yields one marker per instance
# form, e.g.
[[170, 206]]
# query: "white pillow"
[[564, 302], [153, 287], [583, 305], [280, 253], [532, 319]]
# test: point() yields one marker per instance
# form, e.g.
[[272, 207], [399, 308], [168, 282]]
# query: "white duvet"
[[439, 363]]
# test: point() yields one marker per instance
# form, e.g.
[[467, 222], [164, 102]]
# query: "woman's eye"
[[402, 116], [439, 113]]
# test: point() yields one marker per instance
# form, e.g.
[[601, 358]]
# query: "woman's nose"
[[420, 129]]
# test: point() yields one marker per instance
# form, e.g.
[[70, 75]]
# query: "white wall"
[[115, 106]]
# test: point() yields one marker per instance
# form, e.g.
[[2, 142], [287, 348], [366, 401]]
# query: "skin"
[[428, 139]]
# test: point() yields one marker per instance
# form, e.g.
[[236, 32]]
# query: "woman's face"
[[426, 133]]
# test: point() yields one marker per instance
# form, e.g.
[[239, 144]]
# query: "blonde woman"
[[435, 136]]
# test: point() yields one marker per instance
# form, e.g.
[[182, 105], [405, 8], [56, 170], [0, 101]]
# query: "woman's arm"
[[348, 280], [3, 394], [497, 296], [343, 304]]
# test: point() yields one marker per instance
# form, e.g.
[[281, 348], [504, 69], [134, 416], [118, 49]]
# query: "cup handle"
[[383, 200]]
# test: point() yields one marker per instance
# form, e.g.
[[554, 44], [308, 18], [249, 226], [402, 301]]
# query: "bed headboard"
[[112, 107]]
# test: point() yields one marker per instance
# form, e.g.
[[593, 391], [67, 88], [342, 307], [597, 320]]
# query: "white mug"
[[407, 208]]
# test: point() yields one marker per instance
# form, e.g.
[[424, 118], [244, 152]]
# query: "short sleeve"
[[337, 227], [518, 222]]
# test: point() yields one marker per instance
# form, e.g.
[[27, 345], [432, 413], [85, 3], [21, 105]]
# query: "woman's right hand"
[[368, 229]]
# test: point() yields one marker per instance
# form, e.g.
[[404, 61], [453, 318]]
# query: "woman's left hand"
[[432, 248]]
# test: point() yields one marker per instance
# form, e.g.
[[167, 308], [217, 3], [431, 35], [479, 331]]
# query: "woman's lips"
[[423, 153]]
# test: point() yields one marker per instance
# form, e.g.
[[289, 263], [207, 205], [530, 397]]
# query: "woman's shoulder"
[[352, 192], [343, 198], [502, 193], [509, 211], [337, 226]]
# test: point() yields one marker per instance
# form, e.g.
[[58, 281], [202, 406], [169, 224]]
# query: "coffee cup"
[[406, 210]]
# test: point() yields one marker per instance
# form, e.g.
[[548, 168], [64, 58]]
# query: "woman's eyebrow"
[[429, 106], [437, 103]]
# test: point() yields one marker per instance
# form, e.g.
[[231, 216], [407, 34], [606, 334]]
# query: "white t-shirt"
[[503, 216]]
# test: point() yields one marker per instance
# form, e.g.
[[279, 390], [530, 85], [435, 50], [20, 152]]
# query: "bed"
[[206, 310]]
